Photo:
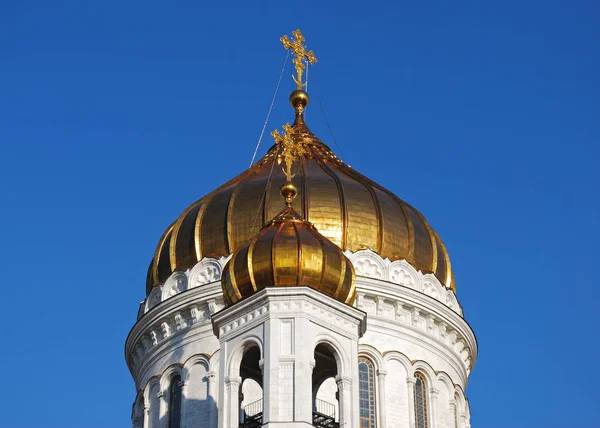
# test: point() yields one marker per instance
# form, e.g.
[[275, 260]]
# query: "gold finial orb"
[[289, 192], [299, 99]]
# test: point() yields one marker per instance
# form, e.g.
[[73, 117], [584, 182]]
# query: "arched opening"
[[251, 391], [366, 392], [324, 388], [175, 402], [421, 404]]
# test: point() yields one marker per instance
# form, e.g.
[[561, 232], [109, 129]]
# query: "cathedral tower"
[[300, 293]]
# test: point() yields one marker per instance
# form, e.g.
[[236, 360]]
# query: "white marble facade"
[[413, 324]]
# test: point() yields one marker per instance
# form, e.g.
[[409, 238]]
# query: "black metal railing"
[[252, 415], [324, 415]]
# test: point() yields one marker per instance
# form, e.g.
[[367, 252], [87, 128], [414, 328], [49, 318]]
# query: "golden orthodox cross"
[[290, 149], [300, 55]]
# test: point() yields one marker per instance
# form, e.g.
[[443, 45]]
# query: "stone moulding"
[[367, 264], [402, 306]]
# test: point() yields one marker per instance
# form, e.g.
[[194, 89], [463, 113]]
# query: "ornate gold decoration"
[[291, 150], [346, 207], [300, 55]]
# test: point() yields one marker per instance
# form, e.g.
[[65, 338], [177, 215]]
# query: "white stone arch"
[[467, 412], [460, 403], [372, 354], [427, 371], [167, 375], [138, 410], [369, 264], [205, 271], [401, 358], [424, 368], [199, 405], [403, 273], [214, 361], [452, 302], [341, 359], [395, 399], [175, 284], [151, 403], [445, 381], [165, 386], [192, 361], [154, 298], [445, 406], [431, 286], [235, 359], [459, 397]]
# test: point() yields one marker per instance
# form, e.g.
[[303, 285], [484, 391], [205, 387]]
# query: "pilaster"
[[231, 413], [434, 415], [184, 391], [163, 407], [211, 377], [410, 382], [381, 393], [344, 384]]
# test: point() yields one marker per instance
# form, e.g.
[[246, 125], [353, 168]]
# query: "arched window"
[[175, 402], [421, 416], [366, 393]]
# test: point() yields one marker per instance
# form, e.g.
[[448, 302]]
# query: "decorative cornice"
[[171, 319], [280, 302], [376, 297], [367, 264], [418, 312]]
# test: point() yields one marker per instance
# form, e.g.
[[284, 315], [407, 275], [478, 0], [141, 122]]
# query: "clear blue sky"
[[114, 116]]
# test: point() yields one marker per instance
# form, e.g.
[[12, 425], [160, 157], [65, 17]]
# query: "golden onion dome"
[[346, 207], [288, 251]]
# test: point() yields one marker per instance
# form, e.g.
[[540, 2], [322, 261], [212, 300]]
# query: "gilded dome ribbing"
[[288, 252], [346, 207]]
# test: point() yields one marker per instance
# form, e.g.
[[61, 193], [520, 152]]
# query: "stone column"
[[453, 415], [345, 400], [381, 400], [313, 394], [213, 411], [463, 421], [163, 409], [146, 416], [435, 417], [184, 387], [410, 381], [232, 394]]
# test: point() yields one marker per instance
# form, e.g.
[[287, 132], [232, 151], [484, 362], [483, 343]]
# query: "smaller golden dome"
[[288, 251]]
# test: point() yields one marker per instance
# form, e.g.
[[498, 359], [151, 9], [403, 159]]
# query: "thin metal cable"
[[264, 194], [330, 131], [306, 85], [270, 109]]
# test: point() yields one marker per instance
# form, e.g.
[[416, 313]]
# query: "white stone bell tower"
[[285, 326], [334, 306]]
